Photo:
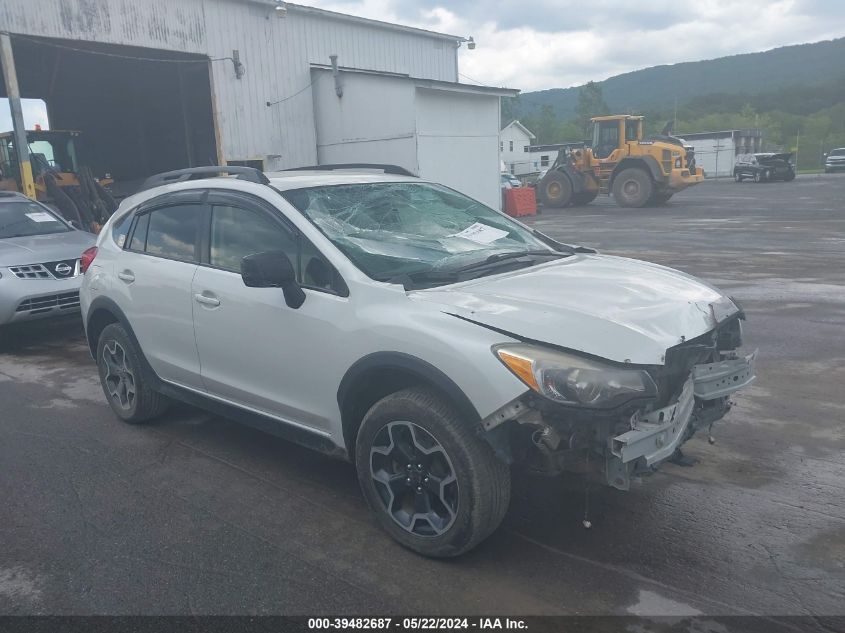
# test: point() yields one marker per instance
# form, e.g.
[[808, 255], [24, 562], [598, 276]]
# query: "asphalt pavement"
[[197, 515]]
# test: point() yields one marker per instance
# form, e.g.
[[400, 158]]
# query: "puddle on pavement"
[[651, 603], [16, 583]]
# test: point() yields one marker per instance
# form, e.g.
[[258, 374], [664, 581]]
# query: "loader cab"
[[613, 132], [53, 151], [49, 151]]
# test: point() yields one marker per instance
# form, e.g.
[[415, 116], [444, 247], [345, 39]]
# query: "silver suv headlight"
[[574, 380]]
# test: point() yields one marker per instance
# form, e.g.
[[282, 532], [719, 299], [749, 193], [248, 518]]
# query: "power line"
[[297, 93], [117, 55], [475, 80]]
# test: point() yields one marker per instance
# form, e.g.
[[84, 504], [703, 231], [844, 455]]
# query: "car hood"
[[36, 249], [620, 309]]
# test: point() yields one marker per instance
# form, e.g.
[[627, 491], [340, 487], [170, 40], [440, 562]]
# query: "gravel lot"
[[197, 515]]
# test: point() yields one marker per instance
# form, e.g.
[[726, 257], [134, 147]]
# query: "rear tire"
[[122, 378], [555, 190], [632, 188], [434, 485]]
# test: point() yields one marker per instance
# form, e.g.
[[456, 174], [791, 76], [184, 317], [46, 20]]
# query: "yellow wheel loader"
[[637, 171], [60, 177]]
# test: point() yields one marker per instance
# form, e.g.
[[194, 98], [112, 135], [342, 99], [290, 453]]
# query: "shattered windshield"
[[403, 228]]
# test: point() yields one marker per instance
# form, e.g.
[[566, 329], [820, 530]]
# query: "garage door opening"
[[139, 111]]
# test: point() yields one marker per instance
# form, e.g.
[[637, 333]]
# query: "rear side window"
[[121, 229], [139, 235], [173, 232]]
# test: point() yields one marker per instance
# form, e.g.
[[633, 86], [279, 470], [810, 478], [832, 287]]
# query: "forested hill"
[[764, 72]]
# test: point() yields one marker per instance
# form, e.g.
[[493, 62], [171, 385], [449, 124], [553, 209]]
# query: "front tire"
[[632, 188], [434, 485], [555, 190], [122, 378], [758, 177], [737, 176]]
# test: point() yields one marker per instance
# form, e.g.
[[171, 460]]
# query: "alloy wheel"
[[119, 378], [414, 478]]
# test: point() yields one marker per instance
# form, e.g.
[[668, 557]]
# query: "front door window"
[[606, 138]]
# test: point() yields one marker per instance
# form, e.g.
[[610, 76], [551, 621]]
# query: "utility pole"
[[675, 117], [7, 62]]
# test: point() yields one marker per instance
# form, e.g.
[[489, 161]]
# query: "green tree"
[[590, 103], [511, 109]]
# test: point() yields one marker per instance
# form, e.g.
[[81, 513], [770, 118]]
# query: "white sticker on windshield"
[[481, 233], [41, 216]]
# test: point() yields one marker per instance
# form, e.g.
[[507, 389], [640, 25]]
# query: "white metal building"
[[441, 129], [163, 84], [716, 152]]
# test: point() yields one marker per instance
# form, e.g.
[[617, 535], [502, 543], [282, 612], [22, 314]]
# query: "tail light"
[[87, 258]]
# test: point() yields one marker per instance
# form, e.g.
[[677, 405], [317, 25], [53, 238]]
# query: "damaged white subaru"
[[434, 342]]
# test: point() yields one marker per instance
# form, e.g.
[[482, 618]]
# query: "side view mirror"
[[273, 269]]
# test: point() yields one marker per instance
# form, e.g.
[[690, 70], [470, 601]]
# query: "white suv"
[[394, 322]]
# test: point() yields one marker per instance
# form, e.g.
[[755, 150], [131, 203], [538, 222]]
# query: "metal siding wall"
[[373, 122], [459, 142], [276, 52], [178, 26], [313, 39]]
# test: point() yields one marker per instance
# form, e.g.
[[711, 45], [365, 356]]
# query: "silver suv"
[[835, 160], [39, 261], [434, 342]]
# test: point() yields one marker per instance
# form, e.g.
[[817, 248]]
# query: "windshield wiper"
[[500, 257], [423, 277]]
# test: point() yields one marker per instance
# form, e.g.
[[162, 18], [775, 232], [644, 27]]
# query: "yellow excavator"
[[60, 177], [637, 171]]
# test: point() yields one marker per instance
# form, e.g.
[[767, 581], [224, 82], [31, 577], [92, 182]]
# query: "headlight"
[[573, 380]]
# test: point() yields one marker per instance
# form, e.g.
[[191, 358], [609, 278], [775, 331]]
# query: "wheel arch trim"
[[380, 361], [105, 304], [650, 163]]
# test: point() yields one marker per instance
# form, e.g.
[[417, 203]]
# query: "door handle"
[[206, 300], [127, 276]]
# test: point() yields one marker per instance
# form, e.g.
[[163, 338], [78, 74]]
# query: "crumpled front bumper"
[[656, 436]]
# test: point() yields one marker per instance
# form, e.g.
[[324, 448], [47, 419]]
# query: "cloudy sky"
[[538, 44]]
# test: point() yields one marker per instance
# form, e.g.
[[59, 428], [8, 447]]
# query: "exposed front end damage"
[[694, 389]]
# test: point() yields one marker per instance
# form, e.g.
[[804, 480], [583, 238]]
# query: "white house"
[[514, 143], [164, 84]]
